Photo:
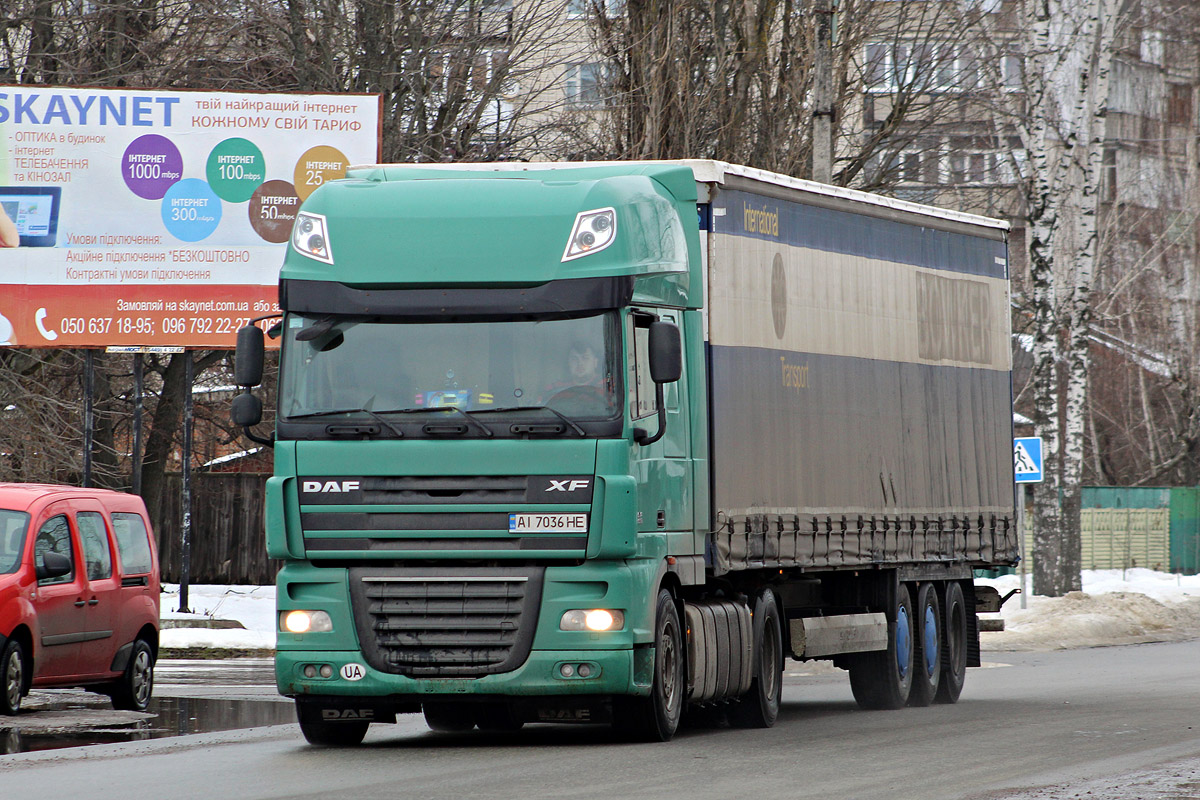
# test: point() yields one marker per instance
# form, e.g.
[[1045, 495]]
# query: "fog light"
[[326, 671], [310, 671], [585, 670], [596, 619], [566, 670], [305, 621]]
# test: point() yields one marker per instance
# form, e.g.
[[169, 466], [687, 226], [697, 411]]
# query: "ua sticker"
[[354, 672]]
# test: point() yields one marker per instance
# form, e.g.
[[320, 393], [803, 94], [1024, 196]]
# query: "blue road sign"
[[1027, 459]]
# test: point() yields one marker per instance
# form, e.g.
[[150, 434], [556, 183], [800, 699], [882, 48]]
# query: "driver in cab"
[[585, 387]]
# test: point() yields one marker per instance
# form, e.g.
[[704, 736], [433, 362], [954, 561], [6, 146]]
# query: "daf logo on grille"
[[331, 486], [567, 485]]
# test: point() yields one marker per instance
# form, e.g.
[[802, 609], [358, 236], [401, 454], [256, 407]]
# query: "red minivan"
[[79, 588]]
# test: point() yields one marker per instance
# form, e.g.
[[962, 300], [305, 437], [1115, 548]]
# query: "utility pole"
[[822, 129]]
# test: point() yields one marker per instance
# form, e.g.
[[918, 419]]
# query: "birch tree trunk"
[[1069, 57]]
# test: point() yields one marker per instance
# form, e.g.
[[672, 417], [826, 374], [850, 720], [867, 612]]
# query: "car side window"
[[133, 543], [54, 537], [93, 537]]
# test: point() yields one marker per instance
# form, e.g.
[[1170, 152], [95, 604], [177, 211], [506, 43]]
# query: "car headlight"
[[305, 621], [310, 236], [596, 619], [593, 231]]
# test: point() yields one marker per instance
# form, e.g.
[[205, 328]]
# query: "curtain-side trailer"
[[609, 442]]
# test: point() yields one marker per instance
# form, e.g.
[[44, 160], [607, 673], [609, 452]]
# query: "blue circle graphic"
[[191, 210]]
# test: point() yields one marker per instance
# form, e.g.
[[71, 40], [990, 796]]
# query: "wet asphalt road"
[[1102, 724]]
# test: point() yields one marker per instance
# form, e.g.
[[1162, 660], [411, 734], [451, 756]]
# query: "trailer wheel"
[[954, 653], [927, 657], [334, 734], [449, 717], [656, 718], [882, 680], [759, 707]]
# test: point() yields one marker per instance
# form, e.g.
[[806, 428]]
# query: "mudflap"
[[351, 709]]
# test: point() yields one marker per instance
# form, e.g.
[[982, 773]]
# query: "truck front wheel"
[[656, 718], [334, 734]]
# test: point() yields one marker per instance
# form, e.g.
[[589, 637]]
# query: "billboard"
[[158, 218]]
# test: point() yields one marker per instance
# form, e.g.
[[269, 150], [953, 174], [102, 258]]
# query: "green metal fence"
[[1154, 527]]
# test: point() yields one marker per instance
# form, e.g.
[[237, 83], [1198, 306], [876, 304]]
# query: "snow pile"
[[252, 606], [1115, 607]]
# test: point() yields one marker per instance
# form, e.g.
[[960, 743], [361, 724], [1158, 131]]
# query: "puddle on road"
[[173, 716]]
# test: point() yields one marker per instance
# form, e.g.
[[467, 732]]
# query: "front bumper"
[[613, 672]]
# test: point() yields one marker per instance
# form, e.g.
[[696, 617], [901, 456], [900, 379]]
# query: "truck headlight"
[[593, 231], [305, 621], [596, 619], [310, 236]]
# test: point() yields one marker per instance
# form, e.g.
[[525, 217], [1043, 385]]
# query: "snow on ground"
[[1115, 607], [252, 606]]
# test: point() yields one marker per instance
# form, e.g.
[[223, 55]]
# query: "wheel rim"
[[669, 665], [903, 642], [931, 641], [13, 678], [142, 677]]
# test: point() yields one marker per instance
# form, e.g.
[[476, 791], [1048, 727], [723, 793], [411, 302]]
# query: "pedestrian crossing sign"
[[1027, 459]]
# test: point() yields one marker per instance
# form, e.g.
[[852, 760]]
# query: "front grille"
[[442, 623]]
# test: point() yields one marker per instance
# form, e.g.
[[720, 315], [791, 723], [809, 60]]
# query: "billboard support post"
[[185, 565], [138, 387], [89, 412]]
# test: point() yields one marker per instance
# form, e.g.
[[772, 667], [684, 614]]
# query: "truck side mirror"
[[246, 410], [666, 366], [666, 352], [248, 360], [52, 565]]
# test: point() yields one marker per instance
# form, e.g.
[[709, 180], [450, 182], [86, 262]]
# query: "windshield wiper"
[[469, 418], [555, 412], [373, 414]]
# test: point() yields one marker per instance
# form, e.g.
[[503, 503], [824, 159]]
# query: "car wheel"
[[132, 690], [13, 666]]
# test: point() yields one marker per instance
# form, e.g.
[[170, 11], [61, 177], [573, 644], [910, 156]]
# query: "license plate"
[[547, 523]]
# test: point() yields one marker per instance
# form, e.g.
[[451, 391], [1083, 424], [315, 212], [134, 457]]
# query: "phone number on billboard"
[[79, 326]]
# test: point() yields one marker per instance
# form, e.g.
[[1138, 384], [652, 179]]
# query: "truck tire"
[[927, 657], [449, 717], [954, 650], [334, 734], [13, 668], [656, 718], [882, 680], [759, 707], [498, 717]]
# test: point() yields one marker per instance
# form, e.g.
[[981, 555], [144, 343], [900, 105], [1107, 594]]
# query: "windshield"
[[568, 366], [12, 539]]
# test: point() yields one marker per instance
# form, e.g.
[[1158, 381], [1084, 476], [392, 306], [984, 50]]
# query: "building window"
[[932, 67], [1179, 104], [584, 84], [580, 9]]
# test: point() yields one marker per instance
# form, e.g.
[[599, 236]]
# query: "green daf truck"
[[608, 443]]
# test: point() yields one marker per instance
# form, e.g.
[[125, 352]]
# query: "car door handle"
[[93, 601], [79, 604]]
